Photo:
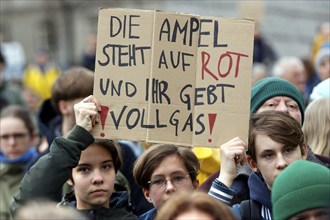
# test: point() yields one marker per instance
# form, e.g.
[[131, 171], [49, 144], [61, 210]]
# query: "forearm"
[[221, 192]]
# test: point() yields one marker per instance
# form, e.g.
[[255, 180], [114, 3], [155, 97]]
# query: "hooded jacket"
[[259, 192]]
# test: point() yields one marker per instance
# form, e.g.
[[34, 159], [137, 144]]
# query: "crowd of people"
[[49, 160]]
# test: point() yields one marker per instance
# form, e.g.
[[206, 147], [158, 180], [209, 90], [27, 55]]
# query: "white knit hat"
[[321, 90]]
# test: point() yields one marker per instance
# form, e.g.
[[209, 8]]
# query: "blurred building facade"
[[62, 26]]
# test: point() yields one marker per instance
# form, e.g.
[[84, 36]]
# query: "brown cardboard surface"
[[172, 77]]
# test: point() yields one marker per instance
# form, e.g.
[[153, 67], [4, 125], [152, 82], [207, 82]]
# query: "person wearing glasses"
[[162, 170], [18, 138]]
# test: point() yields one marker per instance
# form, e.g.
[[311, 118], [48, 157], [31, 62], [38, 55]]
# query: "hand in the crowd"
[[232, 153], [86, 112]]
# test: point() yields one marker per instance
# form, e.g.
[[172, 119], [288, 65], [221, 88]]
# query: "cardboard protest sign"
[[173, 78], [122, 67]]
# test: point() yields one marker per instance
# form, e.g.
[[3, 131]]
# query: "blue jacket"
[[258, 192], [149, 215]]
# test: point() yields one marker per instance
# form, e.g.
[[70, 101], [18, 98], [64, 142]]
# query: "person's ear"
[[64, 107], [70, 182], [304, 150], [253, 164], [146, 193], [195, 183]]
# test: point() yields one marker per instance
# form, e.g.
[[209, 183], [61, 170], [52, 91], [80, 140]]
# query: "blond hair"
[[316, 127]]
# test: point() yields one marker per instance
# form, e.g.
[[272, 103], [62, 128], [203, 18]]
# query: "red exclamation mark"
[[103, 115], [212, 118]]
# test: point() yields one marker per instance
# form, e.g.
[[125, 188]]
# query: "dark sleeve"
[[206, 185], [129, 216], [47, 176], [121, 214]]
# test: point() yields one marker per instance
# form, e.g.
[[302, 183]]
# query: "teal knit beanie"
[[302, 186], [270, 87]]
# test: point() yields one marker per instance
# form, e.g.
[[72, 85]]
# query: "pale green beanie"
[[270, 87], [302, 186]]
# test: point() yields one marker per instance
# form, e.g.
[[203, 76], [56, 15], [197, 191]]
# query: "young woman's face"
[[93, 178], [15, 138], [173, 169], [272, 157]]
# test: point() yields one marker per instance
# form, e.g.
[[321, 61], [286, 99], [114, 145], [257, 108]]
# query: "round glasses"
[[159, 183]]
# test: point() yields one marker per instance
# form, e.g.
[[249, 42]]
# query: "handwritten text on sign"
[[173, 78]]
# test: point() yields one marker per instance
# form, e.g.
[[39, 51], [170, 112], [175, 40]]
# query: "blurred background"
[[66, 29], [40, 39]]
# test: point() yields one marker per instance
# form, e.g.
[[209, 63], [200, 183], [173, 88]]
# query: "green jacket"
[[11, 93], [10, 177], [46, 178]]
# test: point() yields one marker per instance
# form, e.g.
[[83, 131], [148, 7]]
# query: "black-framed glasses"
[[159, 183]]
